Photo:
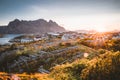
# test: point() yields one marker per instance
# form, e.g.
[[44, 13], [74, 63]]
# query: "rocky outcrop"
[[37, 26]]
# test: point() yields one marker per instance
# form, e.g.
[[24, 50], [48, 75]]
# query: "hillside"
[[101, 66], [41, 55], [37, 26], [58, 60]]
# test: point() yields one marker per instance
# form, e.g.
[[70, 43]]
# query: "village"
[[94, 37]]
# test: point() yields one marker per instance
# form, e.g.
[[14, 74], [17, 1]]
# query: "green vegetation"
[[64, 60], [113, 45], [104, 67], [69, 71]]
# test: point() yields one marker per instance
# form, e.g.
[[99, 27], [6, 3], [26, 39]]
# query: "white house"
[[65, 37]]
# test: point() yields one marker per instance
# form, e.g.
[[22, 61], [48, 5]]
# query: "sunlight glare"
[[101, 29]]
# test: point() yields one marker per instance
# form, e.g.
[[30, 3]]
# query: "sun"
[[101, 29]]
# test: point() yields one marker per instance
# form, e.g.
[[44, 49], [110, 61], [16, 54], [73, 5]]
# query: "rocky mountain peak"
[[35, 26]]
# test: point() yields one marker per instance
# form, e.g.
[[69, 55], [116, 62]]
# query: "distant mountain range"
[[37, 26], [85, 31]]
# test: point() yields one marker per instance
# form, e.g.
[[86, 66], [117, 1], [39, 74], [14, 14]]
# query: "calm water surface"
[[6, 37]]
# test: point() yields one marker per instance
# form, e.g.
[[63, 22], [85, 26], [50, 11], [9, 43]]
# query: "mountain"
[[37, 26]]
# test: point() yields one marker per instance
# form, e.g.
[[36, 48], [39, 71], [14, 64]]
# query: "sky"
[[101, 15]]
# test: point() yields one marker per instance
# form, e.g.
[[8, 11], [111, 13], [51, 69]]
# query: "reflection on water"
[[6, 37]]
